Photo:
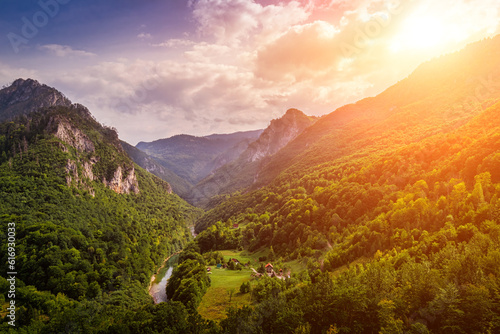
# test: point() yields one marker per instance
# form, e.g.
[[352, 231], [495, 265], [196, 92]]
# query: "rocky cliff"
[[279, 133]]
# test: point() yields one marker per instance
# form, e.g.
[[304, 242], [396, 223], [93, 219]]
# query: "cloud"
[[207, 52], [300, 53], [65, 51], [8, 74], [174, 43], [165, 98], [144, 36], [237, 21]]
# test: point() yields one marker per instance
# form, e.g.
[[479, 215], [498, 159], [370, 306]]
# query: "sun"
[[419, 32]]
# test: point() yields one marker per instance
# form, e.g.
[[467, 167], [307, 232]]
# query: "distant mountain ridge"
[[193, 158], [177, 184], [243, 171]]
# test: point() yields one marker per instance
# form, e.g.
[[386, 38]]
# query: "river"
[[158, 290]]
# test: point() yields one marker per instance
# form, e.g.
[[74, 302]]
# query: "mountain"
[[25, 96], [382, 217], [392, 204], [88, 227], [193, 158], [242, 172], [438, 97]]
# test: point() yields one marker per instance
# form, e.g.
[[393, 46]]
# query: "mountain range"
[[383, 215], [199, 168]]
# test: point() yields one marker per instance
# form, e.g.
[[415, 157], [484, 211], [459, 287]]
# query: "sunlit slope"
[[438, 97]]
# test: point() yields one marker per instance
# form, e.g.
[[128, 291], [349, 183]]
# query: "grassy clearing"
[[242, 256], [223, 281], [218, 296]]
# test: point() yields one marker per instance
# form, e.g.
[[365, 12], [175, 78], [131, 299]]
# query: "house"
[[236, 225], [219, 265], [209, 269], [269, 268]]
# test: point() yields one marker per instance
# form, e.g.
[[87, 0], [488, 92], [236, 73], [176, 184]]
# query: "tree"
[[245, 287], [388, 325]]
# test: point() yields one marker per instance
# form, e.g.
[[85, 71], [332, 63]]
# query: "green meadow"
[[224, 290]]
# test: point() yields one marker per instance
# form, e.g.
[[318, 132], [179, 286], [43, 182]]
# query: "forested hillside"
[[393, 204], [90, 227], [438, 97]]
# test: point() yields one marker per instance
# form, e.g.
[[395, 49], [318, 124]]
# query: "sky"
[[157, 68]]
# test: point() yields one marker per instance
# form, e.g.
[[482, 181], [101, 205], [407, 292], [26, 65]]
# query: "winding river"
[[158, 290]]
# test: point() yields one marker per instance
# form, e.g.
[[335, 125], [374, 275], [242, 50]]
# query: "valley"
[[379, 217]]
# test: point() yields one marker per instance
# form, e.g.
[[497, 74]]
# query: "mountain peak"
[[24, 96], [279, 133], [26, 83], [294, 112]]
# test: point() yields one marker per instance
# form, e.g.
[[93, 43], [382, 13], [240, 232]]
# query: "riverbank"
[[157, 290]]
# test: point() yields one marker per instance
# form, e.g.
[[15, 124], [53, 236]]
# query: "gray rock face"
[[123, 183], [73, 136], [124, 180], [277, 135]]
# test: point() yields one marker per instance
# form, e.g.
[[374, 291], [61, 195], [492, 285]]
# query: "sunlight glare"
[[419, 33]]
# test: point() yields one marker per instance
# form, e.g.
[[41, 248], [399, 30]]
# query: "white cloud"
[[233, 22], [174, 43], [144, 36], [8, 74], [166, 98], [65, 51]]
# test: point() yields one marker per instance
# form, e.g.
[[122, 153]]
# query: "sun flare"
[[419, 33]]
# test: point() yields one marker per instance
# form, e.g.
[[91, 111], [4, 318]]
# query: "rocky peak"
[[25, 96], [279, 133]]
